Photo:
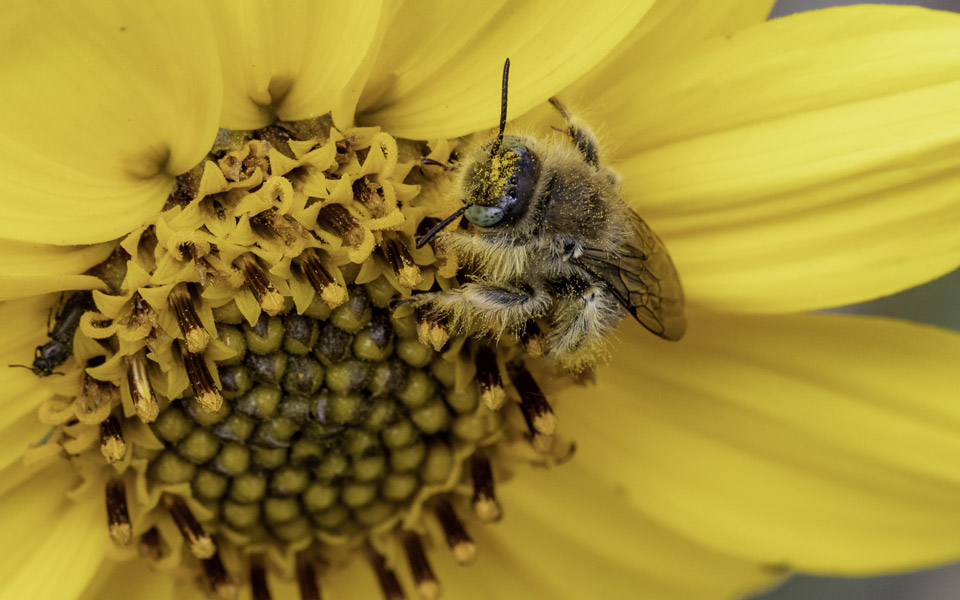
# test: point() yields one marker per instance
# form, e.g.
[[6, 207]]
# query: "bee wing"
[[643, 279]]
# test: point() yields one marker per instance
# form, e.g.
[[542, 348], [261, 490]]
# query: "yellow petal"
[[290, 60], [28, 269], [52, 546], [99, 113], [567, 535], [115, 580], [823, 443], [807, 162], [438, 73]]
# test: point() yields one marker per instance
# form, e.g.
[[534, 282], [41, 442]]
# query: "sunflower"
[[241, 185]]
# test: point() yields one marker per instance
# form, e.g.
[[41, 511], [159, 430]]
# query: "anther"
[[199, 541], [387, 579], [307, 578], [195, 335], [281, 226], [219, 579], [258, 579], [459, 541], [118, 517], [532, 339], [488, 378], [152, 547], [336, 218], [141, 393], [397, 255], [331, 292], [201, 381], [112, 446], [541, 421], [485, 503], [96, 400], [269, 298], [423, 576], [431, 329]]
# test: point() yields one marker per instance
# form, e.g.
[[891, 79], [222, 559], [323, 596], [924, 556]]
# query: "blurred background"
[[934, 303]]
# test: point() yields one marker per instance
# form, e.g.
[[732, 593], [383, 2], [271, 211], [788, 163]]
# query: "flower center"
[[252, 372]]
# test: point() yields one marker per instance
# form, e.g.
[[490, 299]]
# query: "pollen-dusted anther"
[[431, 329], [459, 541], [532, 339], [195, 335], [152, 546], [218, 578], [258, 579], [199, 541], [370, 194], [96, 400], [269, 298], [537, 412], [331, 292], [307, 578], [397, 255], [488, 379], [201, 381], [336, 218], [112, 446], [118, 517], [423, 575], [195, 251], [485, 503], [280, 226], [141, 320], [387, 579], [141, 393]]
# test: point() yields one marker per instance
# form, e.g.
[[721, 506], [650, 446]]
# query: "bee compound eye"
[[484, 216]]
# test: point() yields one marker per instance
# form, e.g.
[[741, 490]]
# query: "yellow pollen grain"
[[429, 589], [493, 397], [272, 303], [487, 509], [545, 423], [197, 340], [409, 276], [113, 449], [465, 552], [334, 295], [148, 410], [121, 533], [211, 400]]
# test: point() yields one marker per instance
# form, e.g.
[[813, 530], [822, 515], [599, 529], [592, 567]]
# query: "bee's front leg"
[[487, 306]]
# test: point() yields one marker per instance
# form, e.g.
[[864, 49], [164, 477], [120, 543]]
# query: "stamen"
[[423, 574], [536, 410], [281, 226], [485, 503], [532, 339], [307, 578], [219, 579], [258, 579], [488, 378], [112, 445], [431, 329], [200, 265], [195, 335], [141, 393], [336, 218], [389, 583], [199, 541], [201, 381], [142, 318], [460, 543], [331, 292], [152, 547], [269, 298], [397, 255], [118, 517], [96, 400]]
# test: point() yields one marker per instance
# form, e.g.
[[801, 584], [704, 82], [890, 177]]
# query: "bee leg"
[[488, 305], [580, 321], [581, 135]]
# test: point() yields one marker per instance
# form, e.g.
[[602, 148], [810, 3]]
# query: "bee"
[[550, 237], [54, 353]]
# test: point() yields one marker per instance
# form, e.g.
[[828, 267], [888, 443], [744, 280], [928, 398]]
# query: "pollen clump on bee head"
[[260, 391]]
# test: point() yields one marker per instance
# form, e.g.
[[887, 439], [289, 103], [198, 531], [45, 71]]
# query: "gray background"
[[934, 303]]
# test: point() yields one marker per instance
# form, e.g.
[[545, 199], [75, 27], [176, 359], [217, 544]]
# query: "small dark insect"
[[551, 238], [54, 353]]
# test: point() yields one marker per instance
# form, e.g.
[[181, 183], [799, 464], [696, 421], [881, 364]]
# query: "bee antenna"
[[429, 235], [503, 107], [21, 366]]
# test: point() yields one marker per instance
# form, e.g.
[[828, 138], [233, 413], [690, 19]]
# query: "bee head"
[[501, 184]]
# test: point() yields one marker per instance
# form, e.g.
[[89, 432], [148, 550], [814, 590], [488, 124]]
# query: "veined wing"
[[643, 279]]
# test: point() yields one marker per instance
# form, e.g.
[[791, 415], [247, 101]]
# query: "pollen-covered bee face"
[[502, 183]]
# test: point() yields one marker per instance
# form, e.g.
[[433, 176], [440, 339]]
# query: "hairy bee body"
[[551, 239]]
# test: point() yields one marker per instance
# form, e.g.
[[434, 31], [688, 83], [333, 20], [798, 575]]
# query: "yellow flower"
[[788, 166]]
